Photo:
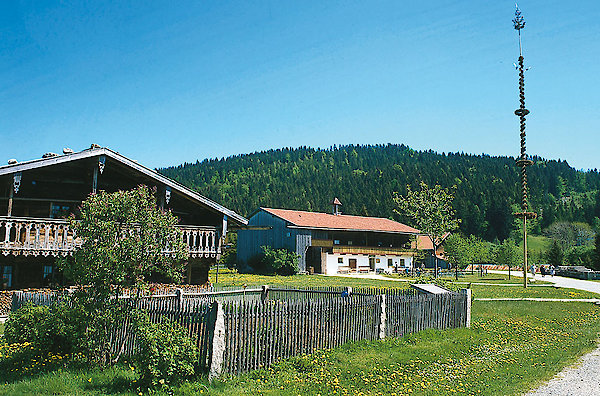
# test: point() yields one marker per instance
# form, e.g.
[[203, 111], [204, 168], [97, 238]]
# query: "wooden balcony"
[[52, 237], [371, 250]]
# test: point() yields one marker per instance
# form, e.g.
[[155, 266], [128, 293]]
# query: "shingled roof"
[[325, 221], [95, 151]]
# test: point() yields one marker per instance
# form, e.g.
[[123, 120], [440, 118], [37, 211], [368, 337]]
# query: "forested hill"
[[364, 178]]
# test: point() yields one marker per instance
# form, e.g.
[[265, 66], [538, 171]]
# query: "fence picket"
[[289, 322]]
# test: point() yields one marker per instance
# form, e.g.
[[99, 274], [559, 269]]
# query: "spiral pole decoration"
[[522, 162]]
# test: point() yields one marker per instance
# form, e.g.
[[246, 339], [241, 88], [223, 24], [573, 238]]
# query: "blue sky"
[[168, 82]]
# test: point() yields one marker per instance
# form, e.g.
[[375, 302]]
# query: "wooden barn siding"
[[250, 241]]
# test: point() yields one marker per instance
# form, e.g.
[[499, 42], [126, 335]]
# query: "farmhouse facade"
[[36, 196], [330, 243]]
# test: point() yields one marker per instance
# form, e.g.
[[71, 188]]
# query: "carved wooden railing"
[[52, 237], [32, 236], [202, 241]]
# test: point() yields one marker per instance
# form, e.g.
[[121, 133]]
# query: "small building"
[[36, 196], [330, 243], [423, 243]]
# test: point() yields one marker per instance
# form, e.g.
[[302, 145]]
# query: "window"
[[58, 211], [390, 263], [402, 262], [336, 242], [7, 275], [340, 260], [47, 273], [349, 242]]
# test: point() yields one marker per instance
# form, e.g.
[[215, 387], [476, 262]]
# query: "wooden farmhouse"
[[36, 196], [330, 243], [424, 243]]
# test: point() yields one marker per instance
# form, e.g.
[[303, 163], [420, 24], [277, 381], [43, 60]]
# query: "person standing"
[[543, 271], [532, 269], [552, 270]]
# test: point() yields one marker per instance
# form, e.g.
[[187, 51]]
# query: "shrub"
[[57, 329], [166, 354], [26, 324], [274, 262], [40, 338]]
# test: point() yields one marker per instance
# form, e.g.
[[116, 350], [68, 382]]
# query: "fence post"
[[265, 293], [382, 317], [217, 340], [467, 294], [179, 297], [17, 301]]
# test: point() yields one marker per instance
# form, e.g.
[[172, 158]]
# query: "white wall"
[[331, 261]]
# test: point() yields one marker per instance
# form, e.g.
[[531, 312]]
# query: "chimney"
[[336, 206]]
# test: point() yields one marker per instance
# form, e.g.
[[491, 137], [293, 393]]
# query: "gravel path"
[[581, 379]]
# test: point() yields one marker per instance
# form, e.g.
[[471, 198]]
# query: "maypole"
[[522, 162]]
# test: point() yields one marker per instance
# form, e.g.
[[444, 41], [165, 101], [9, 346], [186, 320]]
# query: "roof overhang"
[[93, 152], [352, 230]]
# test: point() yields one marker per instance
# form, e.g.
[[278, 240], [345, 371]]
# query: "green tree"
[[508, 254], [596, 256], [458, 251], [430, 210], [555, 254], [126, 238], [229, 255]]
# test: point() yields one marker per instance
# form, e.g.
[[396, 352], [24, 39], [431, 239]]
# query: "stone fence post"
[[217, 340], [264, 296], [467, 294], [382, 317]]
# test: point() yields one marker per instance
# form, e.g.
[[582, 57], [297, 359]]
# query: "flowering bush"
[[166, 354], [56, 329], [38, 338]]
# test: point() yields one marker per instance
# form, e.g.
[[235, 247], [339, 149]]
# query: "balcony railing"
[[52, 237], [371, 250]]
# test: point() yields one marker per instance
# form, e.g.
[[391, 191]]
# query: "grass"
[[511, 347], [538, 243], [491, 278], [233, 278], [481, 291]]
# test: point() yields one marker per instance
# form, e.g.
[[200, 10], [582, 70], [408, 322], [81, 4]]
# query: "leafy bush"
[[40, 338], [56, 329], [166, 353], [26, 324], [274, 262]]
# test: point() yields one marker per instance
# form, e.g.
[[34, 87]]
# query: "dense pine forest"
[[365, 178]]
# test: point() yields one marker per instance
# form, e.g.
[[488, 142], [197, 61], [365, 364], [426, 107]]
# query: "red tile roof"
[[424, 242], [341, 222]]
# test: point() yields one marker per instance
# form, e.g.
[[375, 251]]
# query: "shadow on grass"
[[118, 384]]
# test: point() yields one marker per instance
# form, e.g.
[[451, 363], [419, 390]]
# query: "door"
[[372, 263], [352, 263]]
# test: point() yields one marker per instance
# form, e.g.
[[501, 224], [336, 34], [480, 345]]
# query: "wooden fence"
[[238, 330]]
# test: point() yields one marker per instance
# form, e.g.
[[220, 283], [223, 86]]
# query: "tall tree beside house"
[[430, 210], [458, 251], [126, 238], [555, 254]]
